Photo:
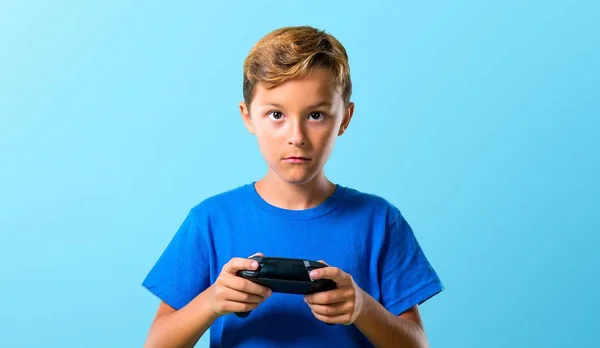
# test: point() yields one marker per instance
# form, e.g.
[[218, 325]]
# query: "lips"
[[296, 159]]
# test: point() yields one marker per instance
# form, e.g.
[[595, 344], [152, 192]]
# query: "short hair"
[[289, 52]]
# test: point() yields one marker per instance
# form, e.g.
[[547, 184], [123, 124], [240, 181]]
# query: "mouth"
[[296, 159]]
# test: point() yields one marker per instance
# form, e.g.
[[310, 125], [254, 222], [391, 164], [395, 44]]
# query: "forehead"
[[309, 89]]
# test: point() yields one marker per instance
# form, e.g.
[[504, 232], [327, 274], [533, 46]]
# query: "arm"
[[406, 279], [349, 304], [181, 328], [229, 293], [404, 268], [384, 329]]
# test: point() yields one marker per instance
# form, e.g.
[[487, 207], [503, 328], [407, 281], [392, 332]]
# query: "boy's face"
[[296, 124]]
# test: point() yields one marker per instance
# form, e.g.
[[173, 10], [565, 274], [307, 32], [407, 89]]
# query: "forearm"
[[384, 329], [182, 328]]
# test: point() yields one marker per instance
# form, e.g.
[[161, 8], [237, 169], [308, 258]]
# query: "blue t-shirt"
[[362, 234]]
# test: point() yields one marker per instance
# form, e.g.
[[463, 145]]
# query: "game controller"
[[286, 275]]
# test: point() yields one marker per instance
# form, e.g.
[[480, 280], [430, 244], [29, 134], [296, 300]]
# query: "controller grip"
[[242, 314]]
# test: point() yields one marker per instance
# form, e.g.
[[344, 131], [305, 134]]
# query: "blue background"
[[478, 119]]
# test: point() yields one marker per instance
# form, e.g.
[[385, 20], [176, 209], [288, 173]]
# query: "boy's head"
[[297, 90]]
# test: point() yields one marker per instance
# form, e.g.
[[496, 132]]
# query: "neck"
[[289, 196]]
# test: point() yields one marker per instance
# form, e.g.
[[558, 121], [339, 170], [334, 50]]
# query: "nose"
[[297, 134]]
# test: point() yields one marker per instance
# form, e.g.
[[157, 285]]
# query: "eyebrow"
[[320, 104]]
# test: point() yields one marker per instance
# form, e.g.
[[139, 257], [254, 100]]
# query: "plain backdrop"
[[478, 119]]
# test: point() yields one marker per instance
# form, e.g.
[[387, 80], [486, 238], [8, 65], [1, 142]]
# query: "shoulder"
[[367, 203], [227, 201]]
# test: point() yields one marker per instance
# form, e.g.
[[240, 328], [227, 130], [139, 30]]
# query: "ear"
[[245, 111], [346, 120]]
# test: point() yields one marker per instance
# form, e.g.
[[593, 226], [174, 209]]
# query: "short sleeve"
[[407, 277], [182, 270]]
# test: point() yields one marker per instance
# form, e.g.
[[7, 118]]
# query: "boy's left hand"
[[339, 306]]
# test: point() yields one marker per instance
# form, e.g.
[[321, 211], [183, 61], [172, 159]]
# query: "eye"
[[316, 116], [275, 115]]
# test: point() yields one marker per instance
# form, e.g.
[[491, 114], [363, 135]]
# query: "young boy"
[[297, 91]]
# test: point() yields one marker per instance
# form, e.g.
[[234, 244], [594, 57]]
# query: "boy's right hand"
[[231, 293]]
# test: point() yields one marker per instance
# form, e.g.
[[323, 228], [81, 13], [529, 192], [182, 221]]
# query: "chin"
[[297, 178]]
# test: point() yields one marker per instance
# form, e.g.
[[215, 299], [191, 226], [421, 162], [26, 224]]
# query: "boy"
[[297, 91]]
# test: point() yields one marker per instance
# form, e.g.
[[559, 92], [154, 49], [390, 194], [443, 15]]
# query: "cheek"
[[324, 136], [268, 139]]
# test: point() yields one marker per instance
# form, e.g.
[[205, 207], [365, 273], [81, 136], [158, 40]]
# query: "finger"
[[228, 294], [232, 306], [333, 319], [333, 273], [323, 261], [238, 264], [333, 309], [244, 285], [257, 254], [329, 297]]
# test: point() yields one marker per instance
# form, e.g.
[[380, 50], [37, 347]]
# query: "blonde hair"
[[289, 52]]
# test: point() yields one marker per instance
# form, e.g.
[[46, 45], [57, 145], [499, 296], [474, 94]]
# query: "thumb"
[[256, 254], [322, 261]]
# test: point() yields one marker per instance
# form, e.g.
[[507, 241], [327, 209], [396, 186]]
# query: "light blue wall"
[[478, 119]]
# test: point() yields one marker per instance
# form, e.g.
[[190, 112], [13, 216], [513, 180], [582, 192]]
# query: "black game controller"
[[286, 275]]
